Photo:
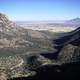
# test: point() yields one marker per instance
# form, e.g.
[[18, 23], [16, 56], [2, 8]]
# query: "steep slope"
[[72, 37], [15, 39], [17, 42], [70, 47], [69, 53]]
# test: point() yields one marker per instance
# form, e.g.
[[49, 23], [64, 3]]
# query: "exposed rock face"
[[69, 53], [5, 24], [8, 33], [3, 76], [3, 19]]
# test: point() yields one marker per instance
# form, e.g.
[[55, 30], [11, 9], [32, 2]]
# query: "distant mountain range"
[[49, 24], [73, 21]]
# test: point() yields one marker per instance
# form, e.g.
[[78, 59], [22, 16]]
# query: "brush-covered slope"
[[15, 39]]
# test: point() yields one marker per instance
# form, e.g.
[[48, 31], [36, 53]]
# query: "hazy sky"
[[40, 9]]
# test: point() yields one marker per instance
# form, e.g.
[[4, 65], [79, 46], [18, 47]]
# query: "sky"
[[33, 10]]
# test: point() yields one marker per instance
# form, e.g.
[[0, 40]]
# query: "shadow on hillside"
[[50, 72], [68, 71]]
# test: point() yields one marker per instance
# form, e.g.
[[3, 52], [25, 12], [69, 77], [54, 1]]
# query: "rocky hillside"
[[16, 47], [68, 47], [15, 39]]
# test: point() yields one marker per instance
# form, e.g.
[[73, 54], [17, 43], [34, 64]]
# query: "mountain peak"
[[4, 21], [3, 16]]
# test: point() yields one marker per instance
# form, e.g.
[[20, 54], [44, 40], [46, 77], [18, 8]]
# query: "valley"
[[26, 47]]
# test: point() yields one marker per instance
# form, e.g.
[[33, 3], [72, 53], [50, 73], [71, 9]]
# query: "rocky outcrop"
[[69, 53]]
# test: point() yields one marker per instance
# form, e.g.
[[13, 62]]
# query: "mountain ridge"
[[73, 21]]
